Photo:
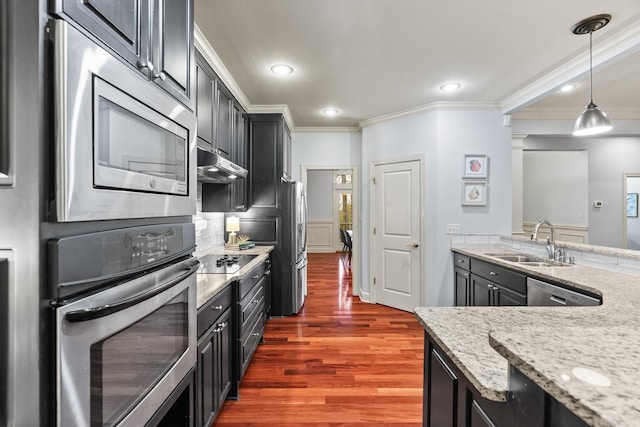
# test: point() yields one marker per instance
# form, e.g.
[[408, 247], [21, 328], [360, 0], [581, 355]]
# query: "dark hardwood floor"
[[339, 362]]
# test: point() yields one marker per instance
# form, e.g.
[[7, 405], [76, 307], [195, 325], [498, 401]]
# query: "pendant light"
[[593, 120]]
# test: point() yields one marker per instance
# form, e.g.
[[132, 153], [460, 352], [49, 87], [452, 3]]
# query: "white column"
[[517, 148]]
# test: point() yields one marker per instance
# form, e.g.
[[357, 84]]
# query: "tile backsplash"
[[209, 227]]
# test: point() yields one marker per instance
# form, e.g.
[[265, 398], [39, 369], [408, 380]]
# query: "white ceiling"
[[371, 58]]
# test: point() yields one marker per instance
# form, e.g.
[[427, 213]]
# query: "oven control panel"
[[83, 261]]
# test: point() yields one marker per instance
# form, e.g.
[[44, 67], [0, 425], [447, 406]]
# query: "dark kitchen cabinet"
[[451, 400], [251, 317], [480, 283], [153, 36], [214, 372], [462, 280], [266, 163], [222, 128], [205, 89]]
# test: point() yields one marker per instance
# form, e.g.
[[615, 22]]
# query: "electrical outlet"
[[453, 228]]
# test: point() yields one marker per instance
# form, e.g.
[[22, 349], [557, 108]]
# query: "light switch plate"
[[453, 228]]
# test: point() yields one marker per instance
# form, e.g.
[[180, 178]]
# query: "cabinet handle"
[[489, 286], [216, 307], [466, 275], [220, 327], [144, 65], [239, 207], [495, 288], [161, 76], [493, 273], [267, 273], [255, 334], [255, 277], [460, 261], [255, 301]]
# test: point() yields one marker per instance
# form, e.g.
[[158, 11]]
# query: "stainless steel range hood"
[[213, 168]]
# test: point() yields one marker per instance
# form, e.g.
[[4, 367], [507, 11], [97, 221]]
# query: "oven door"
[[121, 352], [124, 148]]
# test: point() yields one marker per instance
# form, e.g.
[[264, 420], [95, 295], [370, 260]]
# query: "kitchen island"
[[583, 359]]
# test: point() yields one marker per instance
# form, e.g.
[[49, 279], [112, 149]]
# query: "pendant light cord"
[[591, 65]]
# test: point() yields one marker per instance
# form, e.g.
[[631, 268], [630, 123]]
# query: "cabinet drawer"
[[209, 312], [250, 304], [502, 276], [250, 341], [247, 283], [460, 261]]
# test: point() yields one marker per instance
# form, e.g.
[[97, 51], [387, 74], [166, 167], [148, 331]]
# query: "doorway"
[[333, 202]]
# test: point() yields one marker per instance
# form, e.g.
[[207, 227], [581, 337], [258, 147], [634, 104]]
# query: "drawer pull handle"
[[216, 307], [267, 273], [493, 273], [255, 334], [255, 277], [255, 301], [460, 261]]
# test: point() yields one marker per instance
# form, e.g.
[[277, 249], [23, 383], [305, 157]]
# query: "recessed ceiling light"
[[568, 87], [282, 69], [450, 87], [330, 111]]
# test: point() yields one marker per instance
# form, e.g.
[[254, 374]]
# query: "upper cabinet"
[[154, 36], [286, 153], [215, 108]]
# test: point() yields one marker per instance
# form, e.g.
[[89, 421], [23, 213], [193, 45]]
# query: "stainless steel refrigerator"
[[294, 247]]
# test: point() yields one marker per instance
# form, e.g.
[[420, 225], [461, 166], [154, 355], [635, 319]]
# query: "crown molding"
[[322, 129], [621, 44], [273, 109], [202, 44], [433, 106]]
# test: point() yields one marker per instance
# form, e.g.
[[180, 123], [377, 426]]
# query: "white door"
[[397, 243]]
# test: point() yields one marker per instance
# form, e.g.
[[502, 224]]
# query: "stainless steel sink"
[[526, 260]]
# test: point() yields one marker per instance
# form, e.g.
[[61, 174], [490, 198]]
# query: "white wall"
[[443, 137], [320, 195], [324, 148], [609, 158]]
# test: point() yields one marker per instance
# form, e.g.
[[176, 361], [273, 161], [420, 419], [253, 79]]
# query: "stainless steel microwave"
[[124, 147]]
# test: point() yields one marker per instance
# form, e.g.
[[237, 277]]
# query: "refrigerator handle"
[[304, 221]]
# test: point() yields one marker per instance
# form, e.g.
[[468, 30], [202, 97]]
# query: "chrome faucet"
[[551, 243]]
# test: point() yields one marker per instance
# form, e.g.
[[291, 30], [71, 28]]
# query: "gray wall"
[[609, 159]]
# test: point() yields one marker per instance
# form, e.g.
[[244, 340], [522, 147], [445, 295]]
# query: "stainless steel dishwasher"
[[540, 293]]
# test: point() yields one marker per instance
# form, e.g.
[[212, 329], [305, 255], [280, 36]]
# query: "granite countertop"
[[209, 285], [585, 357]]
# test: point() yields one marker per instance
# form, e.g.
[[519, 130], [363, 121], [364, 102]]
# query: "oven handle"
[[105, 310]]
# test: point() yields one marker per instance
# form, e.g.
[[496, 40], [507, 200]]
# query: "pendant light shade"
[[592, 120]]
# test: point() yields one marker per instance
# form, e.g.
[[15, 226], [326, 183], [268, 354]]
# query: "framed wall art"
[[474, 193], [475, 166], [632, 204]]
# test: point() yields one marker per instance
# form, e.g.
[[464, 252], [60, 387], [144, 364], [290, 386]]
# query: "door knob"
[[414, 245]]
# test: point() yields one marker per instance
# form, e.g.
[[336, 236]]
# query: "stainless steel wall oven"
[[124, 147], [125, 321]]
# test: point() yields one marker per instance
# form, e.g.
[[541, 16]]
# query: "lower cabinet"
[[214, 371], [450, 400]]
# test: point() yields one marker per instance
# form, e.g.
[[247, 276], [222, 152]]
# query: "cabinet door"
[[224, 120], [462, 287], [265, 164], [224, 341], [206, 406], [505, 297], [239, 150], [478, 417], [204, 101], [172, 42], [481, 290], [442, 391], [121, 25]]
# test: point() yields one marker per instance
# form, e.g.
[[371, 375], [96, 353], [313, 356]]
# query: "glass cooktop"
[[223, 264]]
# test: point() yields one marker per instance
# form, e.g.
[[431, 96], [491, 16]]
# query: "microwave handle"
[[105, 310]]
